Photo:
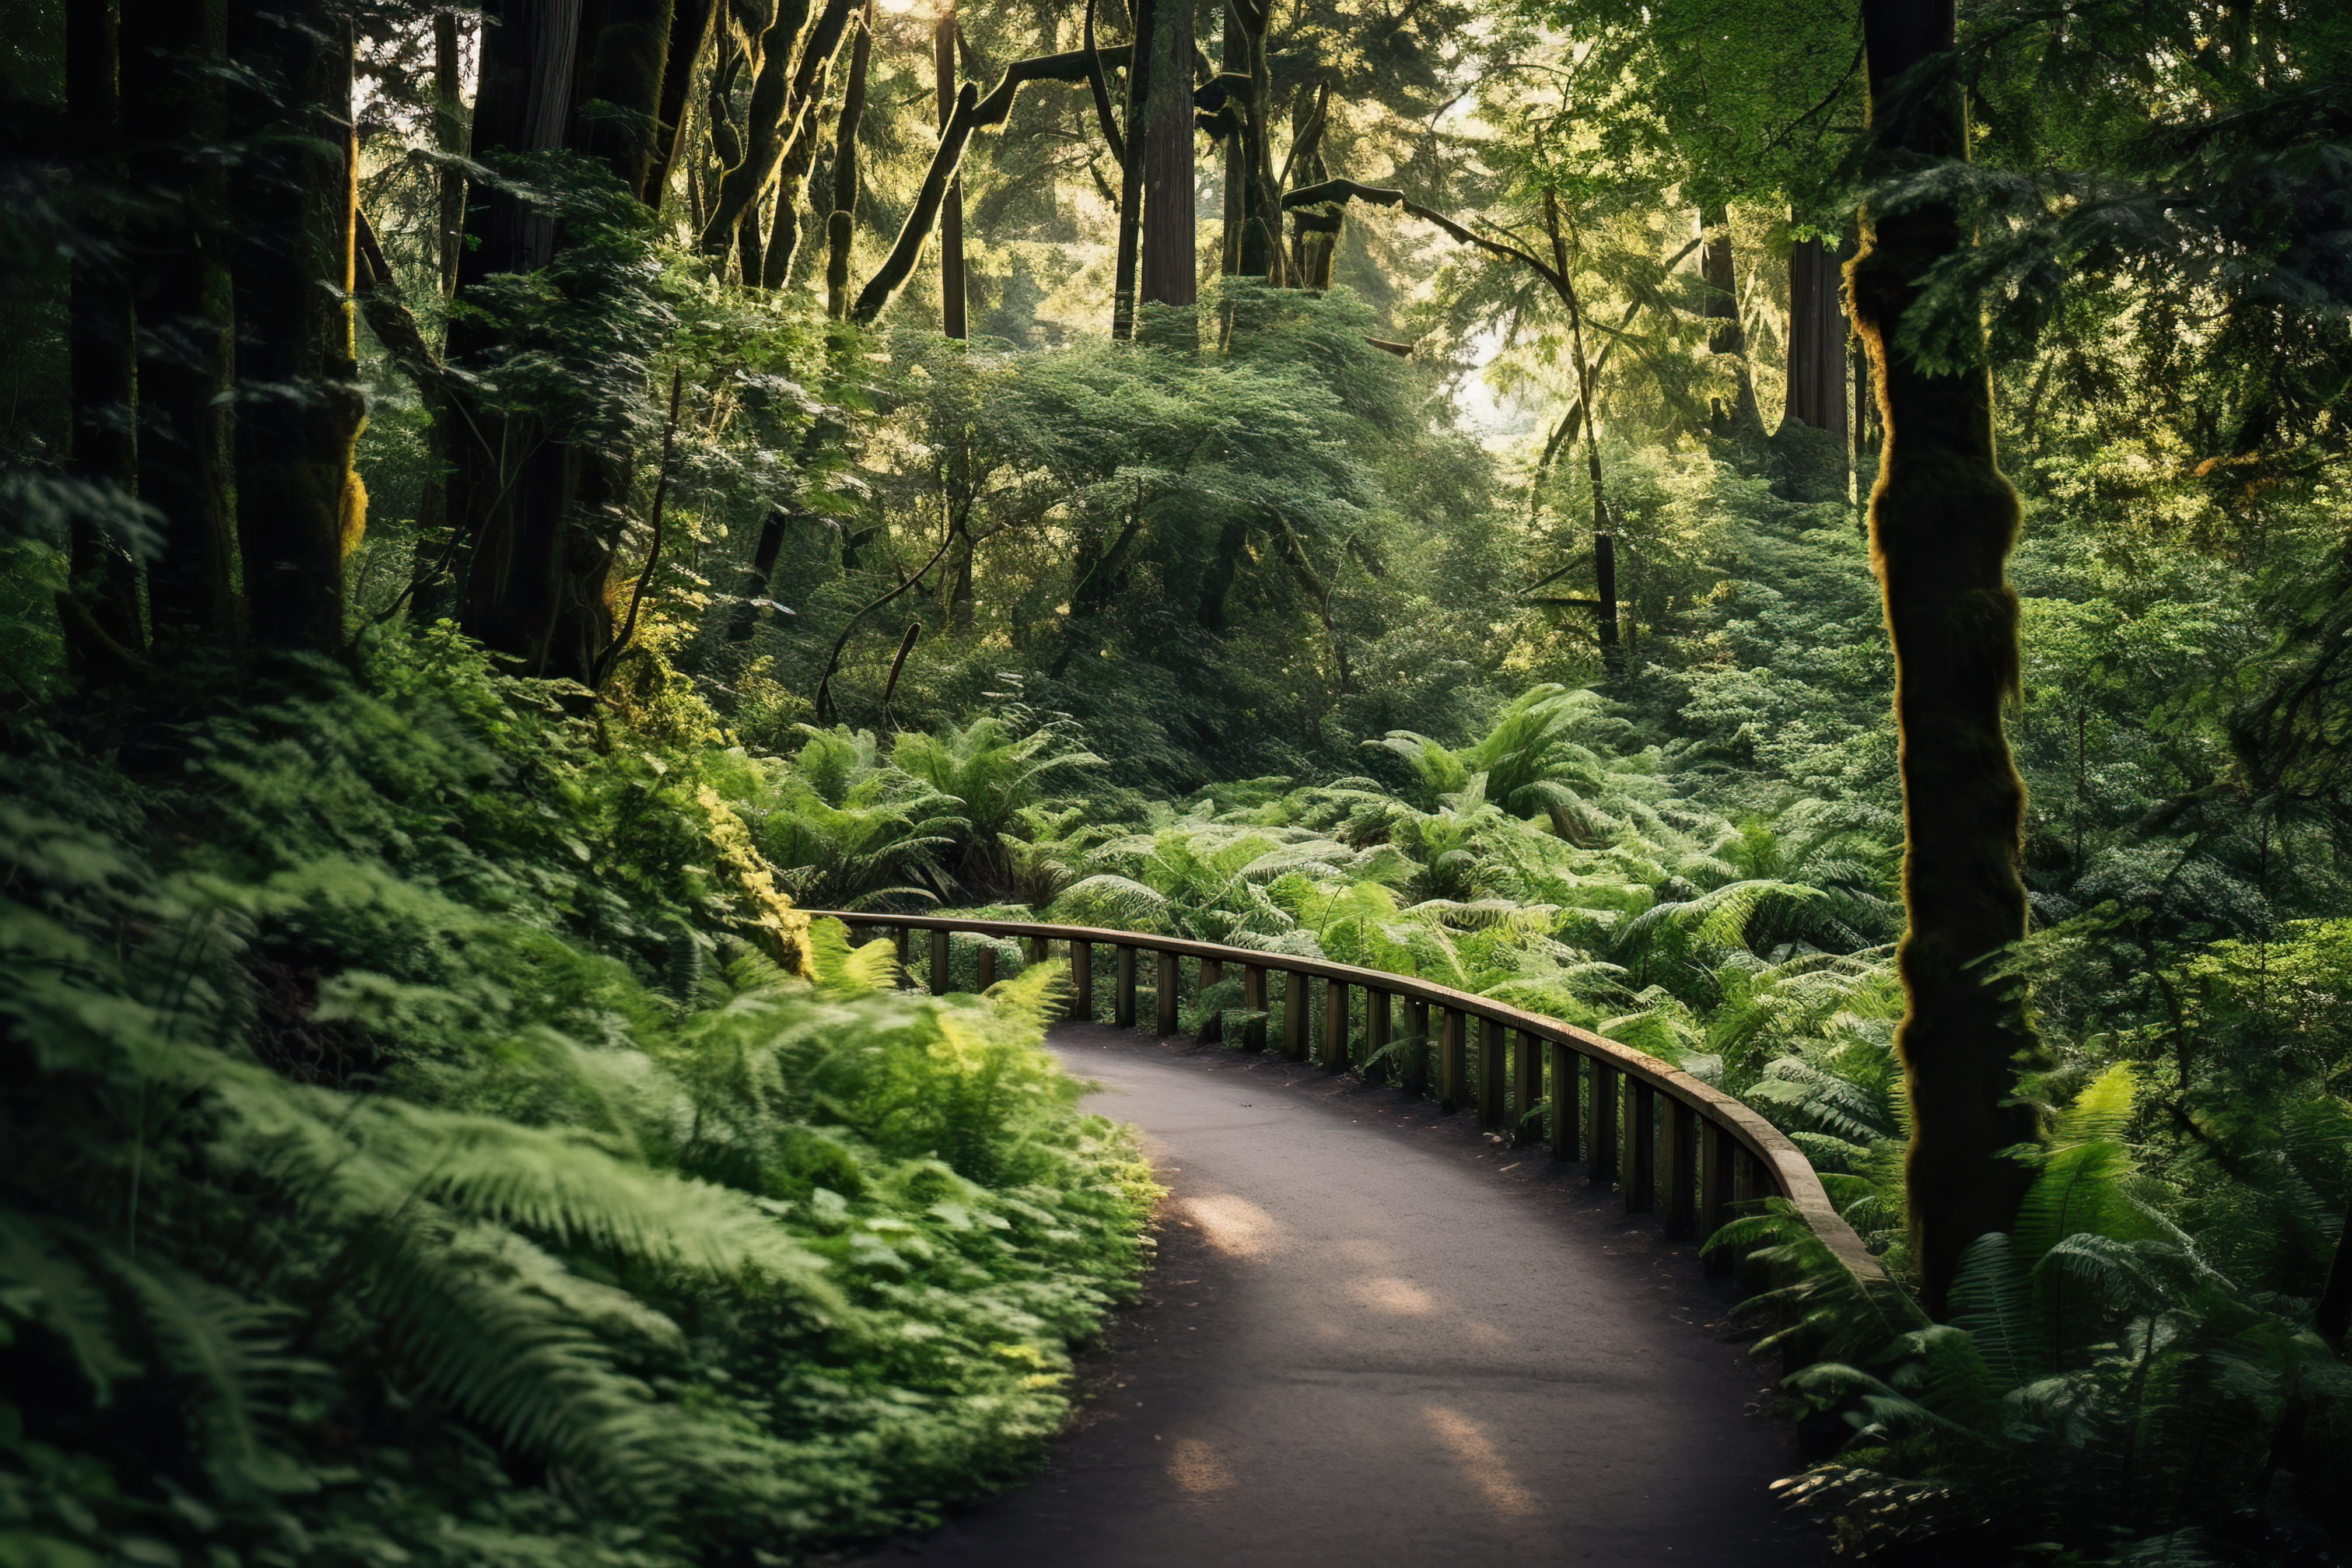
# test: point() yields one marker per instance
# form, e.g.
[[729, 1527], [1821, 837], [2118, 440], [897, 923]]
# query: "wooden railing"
[[1669, 1143]]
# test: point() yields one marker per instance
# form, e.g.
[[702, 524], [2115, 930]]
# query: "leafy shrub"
[[394, 1171]]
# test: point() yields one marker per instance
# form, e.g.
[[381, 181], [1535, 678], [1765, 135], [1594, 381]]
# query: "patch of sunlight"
[[1234, 1225], [1482, 1461], [1199, 1471]]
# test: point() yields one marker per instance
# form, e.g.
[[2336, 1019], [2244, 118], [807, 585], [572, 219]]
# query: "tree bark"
[[626, 45], [1604, 542], [1744, 421], [952, 281], [301, 508], [174, 108], [841, 226], [1127, 250], [1170, 261], [1942, 521], [793, 55], [102, 333], [428, 576], [1816, 389], [691, 25]]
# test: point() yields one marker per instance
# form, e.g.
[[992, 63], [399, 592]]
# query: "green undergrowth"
[[434, 1138]]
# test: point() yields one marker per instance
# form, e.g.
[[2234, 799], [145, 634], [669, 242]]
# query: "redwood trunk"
[[1170, 263], [1816, 395], [1726, 334]]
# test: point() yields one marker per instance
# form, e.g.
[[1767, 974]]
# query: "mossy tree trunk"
[[1942, 521]]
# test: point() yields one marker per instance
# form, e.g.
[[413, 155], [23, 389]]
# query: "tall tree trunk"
[[1170, 258], [174, 113], [1744, 421], [1588, 381], [300, 507], [101, 334], [841, 226], [772, 154], [1943, 521], [691, 25], [541, 510], [624, 46], [951, 282], [1240, 198], [430, 572], [1816, 390], [1127, 251], [510, 488]]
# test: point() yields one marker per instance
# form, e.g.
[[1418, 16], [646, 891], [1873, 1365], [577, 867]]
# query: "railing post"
[[1036, 949], [1213, 1026], [899, 938], [1377, 1033], [1082, 981], [1567, 1104], [1165, 982], [1122, 1007], [1601, 1125], [1451, 1064], [983, 964], [1416, 1027], [1334, 1025], [1527, 1089], [1641, 1148], [1254, 999], [1714, 1150], [1490, 1073], [941, 977], [1677, 1160], [1293, 1014]]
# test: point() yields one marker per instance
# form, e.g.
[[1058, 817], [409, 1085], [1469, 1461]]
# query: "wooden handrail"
[[1702, 1141]]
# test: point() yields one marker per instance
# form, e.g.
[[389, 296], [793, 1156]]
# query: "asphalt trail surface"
[[1374, 1336]]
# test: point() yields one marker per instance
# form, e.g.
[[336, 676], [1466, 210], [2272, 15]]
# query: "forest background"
[[504, 507]]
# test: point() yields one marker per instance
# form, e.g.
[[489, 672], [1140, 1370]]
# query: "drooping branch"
[[388, 315], [971, 113], [1342, 191], [1099, 84], [833, 660], [899, 265]]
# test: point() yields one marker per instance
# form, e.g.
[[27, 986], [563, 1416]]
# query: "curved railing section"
[[1670, 1143]]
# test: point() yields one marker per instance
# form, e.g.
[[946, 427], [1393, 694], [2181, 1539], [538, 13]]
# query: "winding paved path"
[[1376, 1338]]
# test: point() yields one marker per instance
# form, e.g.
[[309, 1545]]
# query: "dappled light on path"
[[1483, 1464], [1199, 1472], [1366, 1343], [1234, 1225]]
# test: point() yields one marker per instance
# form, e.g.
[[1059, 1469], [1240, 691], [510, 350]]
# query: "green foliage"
[[376, 1191]]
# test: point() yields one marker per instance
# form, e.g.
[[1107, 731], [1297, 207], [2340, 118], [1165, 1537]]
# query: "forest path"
[[1376, 1337]]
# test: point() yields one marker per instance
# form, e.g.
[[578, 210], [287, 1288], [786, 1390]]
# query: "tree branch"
[[1378, 195]]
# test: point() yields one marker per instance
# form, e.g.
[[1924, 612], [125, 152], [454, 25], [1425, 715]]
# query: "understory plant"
[[434, 1135]]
